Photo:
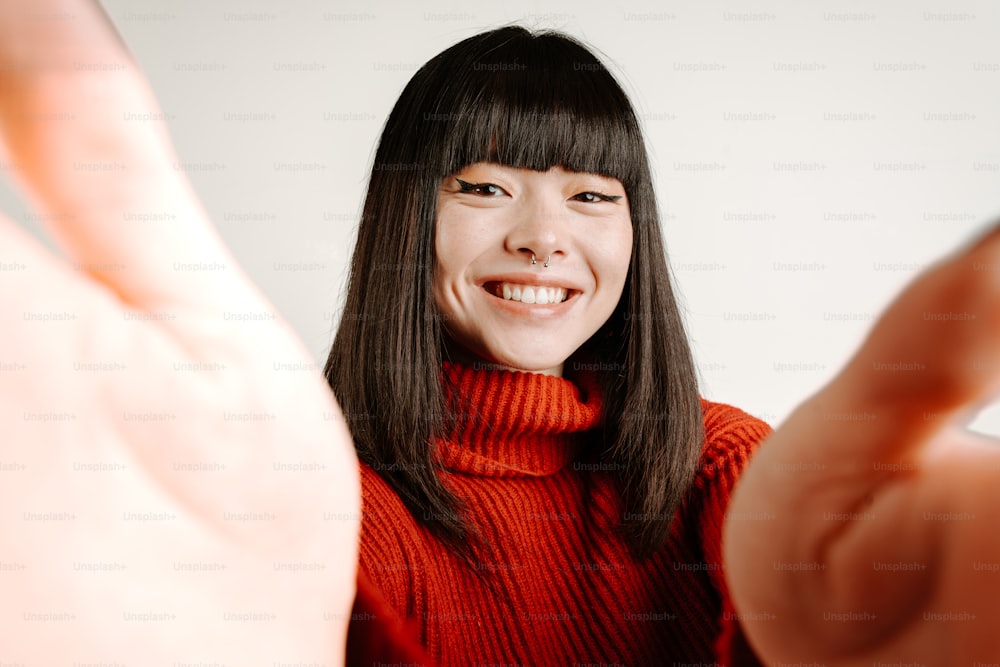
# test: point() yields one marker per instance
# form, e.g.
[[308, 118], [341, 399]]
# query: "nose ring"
[[545, 265]]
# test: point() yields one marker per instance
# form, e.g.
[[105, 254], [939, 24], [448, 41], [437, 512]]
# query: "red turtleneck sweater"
[[562, 588]]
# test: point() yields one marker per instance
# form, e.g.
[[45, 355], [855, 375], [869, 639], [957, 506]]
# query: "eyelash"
[[478, 189]]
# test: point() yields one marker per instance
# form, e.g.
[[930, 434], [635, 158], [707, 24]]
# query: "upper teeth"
[[532, 293]]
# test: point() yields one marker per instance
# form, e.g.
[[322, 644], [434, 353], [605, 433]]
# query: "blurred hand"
[[864, 531], [177, 483]]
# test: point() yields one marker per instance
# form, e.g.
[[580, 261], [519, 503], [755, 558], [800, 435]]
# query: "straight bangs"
[[533, 101]]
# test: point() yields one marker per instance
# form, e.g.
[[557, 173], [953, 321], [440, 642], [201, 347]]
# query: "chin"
[[547, 366], [548, 363]]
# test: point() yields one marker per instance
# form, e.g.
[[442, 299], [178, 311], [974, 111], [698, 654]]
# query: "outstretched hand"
[[178, 484], [864, 531]]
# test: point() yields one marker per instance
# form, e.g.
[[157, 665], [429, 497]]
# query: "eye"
[[595, 197], [482, 189]]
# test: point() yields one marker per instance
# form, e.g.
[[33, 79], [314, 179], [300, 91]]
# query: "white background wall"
[[809, 156]]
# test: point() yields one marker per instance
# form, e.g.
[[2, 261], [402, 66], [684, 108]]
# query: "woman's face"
[[498, 304]]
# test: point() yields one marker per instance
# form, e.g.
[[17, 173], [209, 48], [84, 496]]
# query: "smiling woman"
[[510, 106], [523, 236]]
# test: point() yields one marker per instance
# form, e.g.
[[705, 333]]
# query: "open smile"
[[525, 293]]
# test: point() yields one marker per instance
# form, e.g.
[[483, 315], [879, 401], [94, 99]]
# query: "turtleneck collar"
[[510, 423]]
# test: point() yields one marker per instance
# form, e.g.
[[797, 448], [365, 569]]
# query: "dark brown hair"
[[530, 100]]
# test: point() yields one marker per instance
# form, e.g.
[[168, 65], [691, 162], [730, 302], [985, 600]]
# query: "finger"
[[929, 363], [43, 302], [933, 355], [88, 145]]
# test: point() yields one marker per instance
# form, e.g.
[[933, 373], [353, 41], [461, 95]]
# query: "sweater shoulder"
[[731, 437], [383, 511], [376, 495], [389, 553]]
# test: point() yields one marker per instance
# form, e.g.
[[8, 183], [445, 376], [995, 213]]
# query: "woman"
[[510, 223], [848, 541]]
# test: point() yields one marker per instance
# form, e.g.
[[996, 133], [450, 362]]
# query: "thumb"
[[933, 358], [930, 361]]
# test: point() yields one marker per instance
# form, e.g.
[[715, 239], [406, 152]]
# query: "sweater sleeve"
[[377, 636], [731, 436]]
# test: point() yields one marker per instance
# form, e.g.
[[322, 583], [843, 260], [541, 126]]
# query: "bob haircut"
[[535, 101]]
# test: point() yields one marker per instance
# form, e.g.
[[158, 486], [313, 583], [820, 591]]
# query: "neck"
[[458, 354]]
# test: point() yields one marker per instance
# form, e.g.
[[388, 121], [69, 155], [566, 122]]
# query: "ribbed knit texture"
[[558, 585]]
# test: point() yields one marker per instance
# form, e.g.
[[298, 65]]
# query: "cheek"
[[618, 257], [461, 237], [456, 247], [445, 255], [450, 235], [447, 300], [626, 250], [447, 275]]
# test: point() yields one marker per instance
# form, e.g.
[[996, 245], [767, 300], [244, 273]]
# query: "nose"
[[539, 233]]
